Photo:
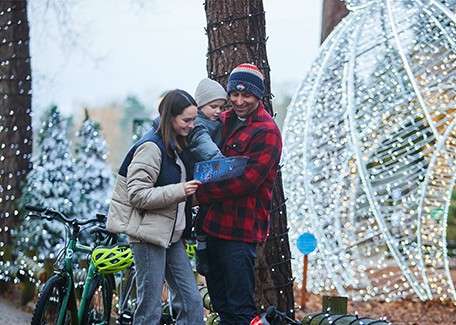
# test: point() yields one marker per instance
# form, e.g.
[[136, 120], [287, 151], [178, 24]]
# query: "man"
[[238, 216]]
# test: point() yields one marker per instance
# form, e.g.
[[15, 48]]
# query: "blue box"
[[220, 169]]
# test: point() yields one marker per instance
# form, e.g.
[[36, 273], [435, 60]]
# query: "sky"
[[88, 53]]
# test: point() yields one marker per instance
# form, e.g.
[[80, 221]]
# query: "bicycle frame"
[[64, 264], [70, 299]]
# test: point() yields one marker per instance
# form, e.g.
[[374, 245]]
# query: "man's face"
[[243, 103]]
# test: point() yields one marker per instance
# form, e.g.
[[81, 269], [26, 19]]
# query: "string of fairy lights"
[[15, 128], [253, 45], [28, 269], [370, 152]]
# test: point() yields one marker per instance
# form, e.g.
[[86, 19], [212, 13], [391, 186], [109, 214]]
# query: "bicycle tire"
[[96, 312], [50, 300]]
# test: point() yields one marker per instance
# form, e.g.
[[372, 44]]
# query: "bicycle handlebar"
[[100, 231], [34, 208], [59, 216]]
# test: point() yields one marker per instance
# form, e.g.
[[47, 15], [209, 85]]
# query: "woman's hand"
[[191, 187]]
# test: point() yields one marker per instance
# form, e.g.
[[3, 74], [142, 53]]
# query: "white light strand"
[[369, 153]]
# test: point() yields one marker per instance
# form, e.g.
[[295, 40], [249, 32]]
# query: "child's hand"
[[191, 187]]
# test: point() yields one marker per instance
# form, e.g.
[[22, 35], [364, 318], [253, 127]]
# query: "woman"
[[148, 204]]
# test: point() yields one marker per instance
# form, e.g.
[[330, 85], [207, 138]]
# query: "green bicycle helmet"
[[112, 259], [190, 249]]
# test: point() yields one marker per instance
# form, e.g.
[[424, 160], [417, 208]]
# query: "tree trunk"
[[15, 107], [333, 12], [236, 34]]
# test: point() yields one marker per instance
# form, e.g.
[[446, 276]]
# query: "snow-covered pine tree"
[[49, 184], [93, 175]]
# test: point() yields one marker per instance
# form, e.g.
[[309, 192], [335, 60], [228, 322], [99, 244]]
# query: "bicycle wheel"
[[99, 301], [50, 301]]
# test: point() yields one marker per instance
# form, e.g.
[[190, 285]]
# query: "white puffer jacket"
[[142, 211]]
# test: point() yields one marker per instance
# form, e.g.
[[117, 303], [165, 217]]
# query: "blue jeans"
[[153, 265], [231, 280]]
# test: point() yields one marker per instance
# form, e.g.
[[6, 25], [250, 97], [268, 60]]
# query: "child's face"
[[213, 109]]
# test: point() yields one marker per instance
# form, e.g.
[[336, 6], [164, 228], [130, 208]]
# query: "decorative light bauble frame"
[[370, 148]]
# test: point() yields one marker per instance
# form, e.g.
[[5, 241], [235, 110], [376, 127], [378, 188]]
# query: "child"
[[202, 144], [205, 138]]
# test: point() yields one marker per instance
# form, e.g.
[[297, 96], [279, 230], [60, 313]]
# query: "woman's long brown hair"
[[172, 105]]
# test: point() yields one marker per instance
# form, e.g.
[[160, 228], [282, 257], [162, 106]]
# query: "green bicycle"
[[57, 303]]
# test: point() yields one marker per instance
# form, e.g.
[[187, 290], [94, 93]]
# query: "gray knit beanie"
[[207, 91]]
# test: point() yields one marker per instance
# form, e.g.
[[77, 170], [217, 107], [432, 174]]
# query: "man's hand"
[[190, 187]]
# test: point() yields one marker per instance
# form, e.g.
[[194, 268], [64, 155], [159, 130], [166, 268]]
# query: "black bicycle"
[[127, 298]]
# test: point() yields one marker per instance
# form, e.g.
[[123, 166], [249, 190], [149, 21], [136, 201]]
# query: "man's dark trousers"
[[231, 280]]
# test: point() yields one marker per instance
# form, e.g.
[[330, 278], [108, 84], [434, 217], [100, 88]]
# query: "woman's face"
[[213, 109], [184, 122]]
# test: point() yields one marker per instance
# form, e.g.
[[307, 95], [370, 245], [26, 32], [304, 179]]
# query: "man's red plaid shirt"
[[239, 207]]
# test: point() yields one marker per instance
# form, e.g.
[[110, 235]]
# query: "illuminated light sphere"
[[370, 148]]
